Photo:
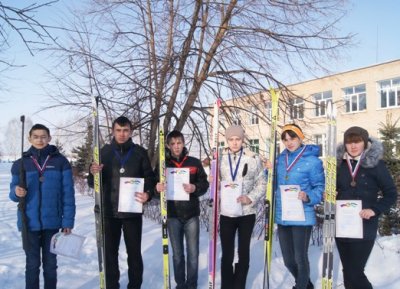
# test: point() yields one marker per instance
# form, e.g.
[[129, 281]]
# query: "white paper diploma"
[[67, 245], [292, 206], [176, 177], [230, 191], [127, 188], [349, 224]]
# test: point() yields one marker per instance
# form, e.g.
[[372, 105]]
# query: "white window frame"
[[236, 117], [253, 116], [297, 109], [321, 99], [320, 140], [355, 98], [254, 145], [390, 90]]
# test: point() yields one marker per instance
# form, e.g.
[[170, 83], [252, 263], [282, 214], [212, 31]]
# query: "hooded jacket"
[[308, 173], [372, 177], [50, 204], [198, 177], [137, 166]]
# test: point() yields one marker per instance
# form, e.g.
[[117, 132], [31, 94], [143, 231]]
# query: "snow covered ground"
[[382, 269]]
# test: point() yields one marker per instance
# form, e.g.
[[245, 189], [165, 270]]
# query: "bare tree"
[[12, 138], [22, 22], [169, 60]]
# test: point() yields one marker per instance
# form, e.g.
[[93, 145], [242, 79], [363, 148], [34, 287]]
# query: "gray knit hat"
[[356, 131], [234, 130]]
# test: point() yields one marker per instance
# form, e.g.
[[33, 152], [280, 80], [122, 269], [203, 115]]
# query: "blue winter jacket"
[[308, 172], [49, 204]]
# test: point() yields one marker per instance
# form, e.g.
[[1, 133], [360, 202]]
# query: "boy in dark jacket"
[[50, 203], [183, 216], [123, 159]]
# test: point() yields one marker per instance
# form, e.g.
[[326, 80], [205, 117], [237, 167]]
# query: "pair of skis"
[[270, 194], [330, 200], [213, 203], [98, 195], [163, 208]]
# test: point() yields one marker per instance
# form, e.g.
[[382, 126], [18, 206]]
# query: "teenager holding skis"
[[242, 184], [50, 203], [299, 165], [123, 158], [361, 175], [183, 215]]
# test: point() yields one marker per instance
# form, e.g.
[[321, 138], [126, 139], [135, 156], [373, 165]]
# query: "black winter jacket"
[[137, 166], [372, 177], [198, 177]]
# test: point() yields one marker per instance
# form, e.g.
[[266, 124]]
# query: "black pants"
[[354, 257], [132, 229], [235, 278]]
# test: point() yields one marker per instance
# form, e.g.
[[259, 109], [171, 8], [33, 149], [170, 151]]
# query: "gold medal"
[[41, 179]]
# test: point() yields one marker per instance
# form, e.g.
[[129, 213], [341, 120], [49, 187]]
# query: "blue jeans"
[[39, 253], [294, 241], [178, 229]]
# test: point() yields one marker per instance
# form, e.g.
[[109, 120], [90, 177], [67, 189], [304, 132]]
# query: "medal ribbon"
[[42, 168], [179, 164], [123, 160], [353, 172], [290, 166], [233, 174]]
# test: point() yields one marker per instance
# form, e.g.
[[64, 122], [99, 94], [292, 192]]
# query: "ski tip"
[[329, 109]]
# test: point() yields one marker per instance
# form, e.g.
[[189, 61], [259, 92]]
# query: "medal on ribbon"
[[124, 159], [291, 165], [42, 168], [353, 172]]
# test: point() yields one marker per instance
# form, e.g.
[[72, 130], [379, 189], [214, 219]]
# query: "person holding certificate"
[[186, 183], [242, 185], [43, 178], [361, 175], [128, 180], [300, 184]]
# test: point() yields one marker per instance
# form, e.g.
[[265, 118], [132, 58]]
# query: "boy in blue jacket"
[[50, 203]]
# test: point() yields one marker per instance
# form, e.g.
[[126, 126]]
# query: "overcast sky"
[[373, 21]]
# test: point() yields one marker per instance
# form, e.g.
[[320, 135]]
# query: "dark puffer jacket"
[[198, 177], [137, 166], [372, 177]]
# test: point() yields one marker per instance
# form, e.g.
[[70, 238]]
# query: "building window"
[[320, 140], [355, 98], [254, 115], [321, 100], [389, 91], [236, 117], [297, 108], [254, 145], [268, 109]]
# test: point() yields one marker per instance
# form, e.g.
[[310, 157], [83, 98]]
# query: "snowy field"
[[382, 269]]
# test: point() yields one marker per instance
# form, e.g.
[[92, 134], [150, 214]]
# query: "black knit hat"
[[356, 131]]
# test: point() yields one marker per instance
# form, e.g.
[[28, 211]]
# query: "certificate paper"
[[67, 245], [176, 177], [349, 224], [292, 206], [230, 191], [127, 188]]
